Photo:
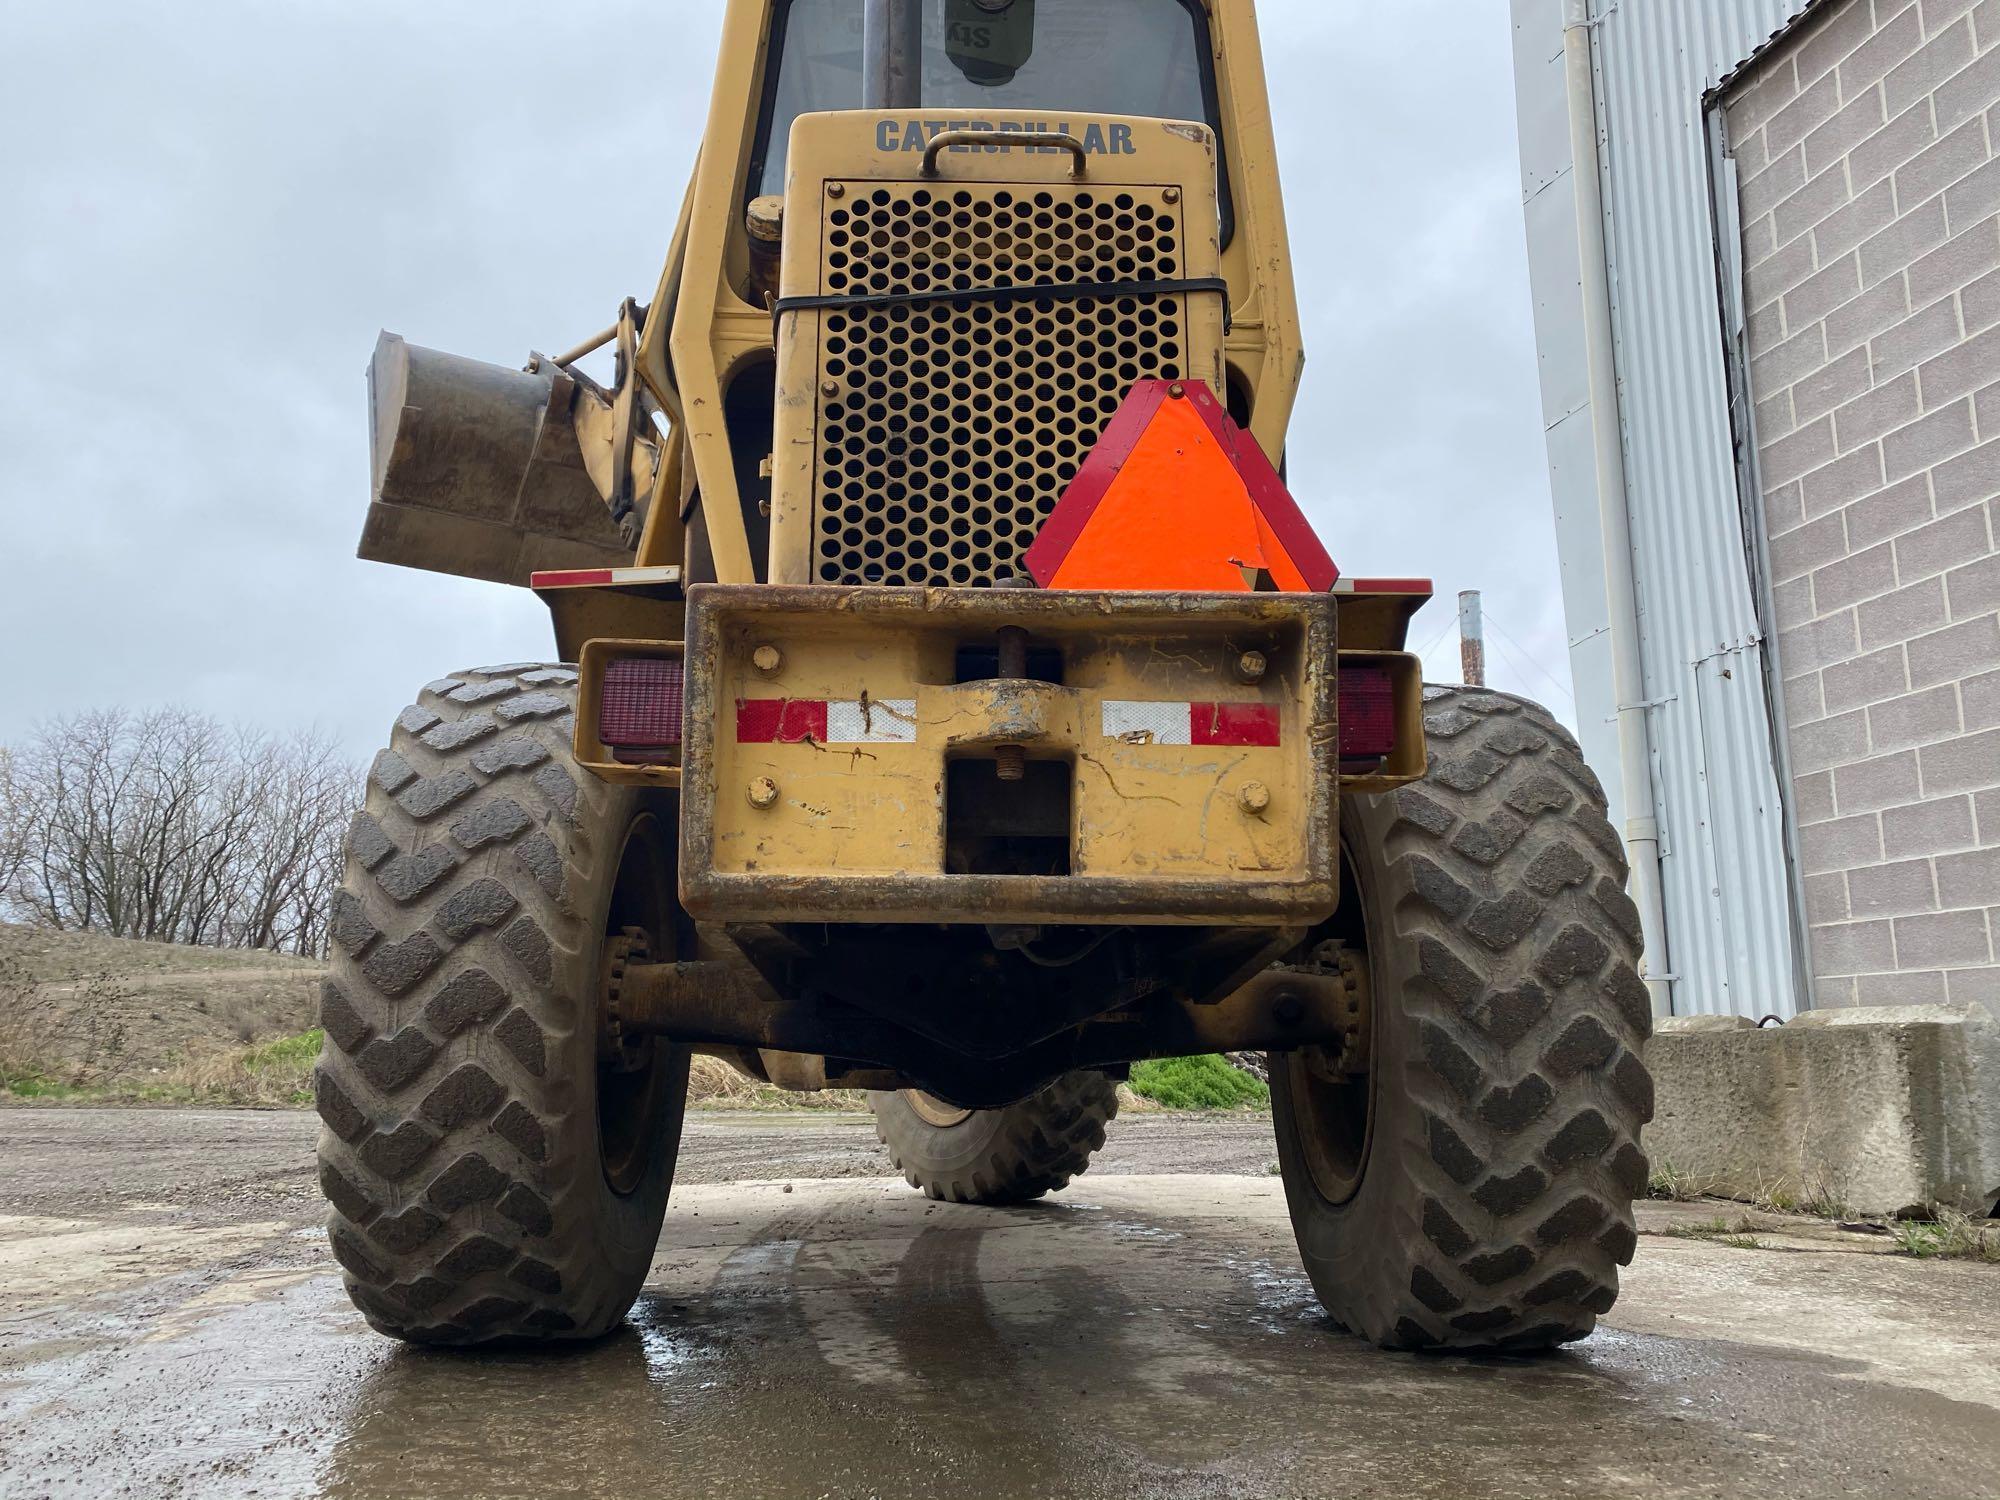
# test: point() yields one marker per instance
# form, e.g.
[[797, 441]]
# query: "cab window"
[[999, 57]]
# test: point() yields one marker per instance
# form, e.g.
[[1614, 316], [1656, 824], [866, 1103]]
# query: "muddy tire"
[[997, 1156], [1475, 1188], [487, 1180]]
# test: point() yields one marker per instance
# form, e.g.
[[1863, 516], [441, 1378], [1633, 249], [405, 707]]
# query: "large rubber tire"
[[470, 1186], [999, 1156], [1493, 1205]]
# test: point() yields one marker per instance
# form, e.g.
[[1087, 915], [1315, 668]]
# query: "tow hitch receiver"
[[1009, 756]]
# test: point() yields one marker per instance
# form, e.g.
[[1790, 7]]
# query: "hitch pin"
[[1011, 761]]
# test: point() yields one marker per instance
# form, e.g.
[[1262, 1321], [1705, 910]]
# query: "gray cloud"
[[212, 209]]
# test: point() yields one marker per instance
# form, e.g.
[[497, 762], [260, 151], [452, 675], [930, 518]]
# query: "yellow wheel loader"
[[954, 707]]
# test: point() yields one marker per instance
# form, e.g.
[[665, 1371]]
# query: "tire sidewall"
[[1348, 1245], [458, 1085], [625, 1226], [942, 1150], [1001, 1156], [1507, 1070]]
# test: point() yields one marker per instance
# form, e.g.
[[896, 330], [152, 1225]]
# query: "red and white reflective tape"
[[893, 721], [1191, 723], [795, 721], [1383, 586], [593, 578]]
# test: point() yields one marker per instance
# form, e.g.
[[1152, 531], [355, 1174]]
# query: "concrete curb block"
[[1876, 1111]]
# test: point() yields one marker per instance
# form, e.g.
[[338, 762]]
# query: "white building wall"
[[1731, 941]]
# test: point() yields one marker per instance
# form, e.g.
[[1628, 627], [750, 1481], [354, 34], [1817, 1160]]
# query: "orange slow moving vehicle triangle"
[[1176, 496]]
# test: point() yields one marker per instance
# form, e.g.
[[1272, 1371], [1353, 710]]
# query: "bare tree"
[[293, 845], [167, 826], [13, 827]]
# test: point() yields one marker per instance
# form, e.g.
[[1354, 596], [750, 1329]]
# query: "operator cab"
[[998, 64]]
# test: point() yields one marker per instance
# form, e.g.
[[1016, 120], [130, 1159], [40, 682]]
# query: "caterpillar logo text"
[[916, 135]]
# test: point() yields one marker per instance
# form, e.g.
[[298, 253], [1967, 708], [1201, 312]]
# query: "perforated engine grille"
[[949, 430]]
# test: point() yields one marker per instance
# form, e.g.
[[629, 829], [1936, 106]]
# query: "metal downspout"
[[1628, 673]]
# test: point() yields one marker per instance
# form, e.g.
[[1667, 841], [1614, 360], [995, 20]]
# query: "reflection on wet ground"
[[1140, 1336]]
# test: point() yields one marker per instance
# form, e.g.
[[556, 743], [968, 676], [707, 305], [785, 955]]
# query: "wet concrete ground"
[[169, 1326]]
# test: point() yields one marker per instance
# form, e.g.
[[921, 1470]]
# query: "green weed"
[[1950, 1236], [274, 1074], [1205, 1082]]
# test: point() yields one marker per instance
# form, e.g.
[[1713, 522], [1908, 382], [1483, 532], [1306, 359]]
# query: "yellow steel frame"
[[704, 327], [837, 154], [1162, 831]]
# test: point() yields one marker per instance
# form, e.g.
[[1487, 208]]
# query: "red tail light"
[[1367, 713], [639, 708]]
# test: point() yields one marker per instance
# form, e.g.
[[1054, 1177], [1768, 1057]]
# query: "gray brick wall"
[[1868, 157]]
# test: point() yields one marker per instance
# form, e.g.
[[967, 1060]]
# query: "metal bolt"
[[836, 190], [1254, 798], [1010, 762], [829, 389], [1288, 1009], [767, 659], [1172, 195], [1177, 391], [1251, 666], [763, 793]]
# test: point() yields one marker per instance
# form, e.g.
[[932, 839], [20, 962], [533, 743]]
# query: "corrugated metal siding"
[[1726, 882]]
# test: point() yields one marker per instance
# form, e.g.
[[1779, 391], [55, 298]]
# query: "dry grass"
[[34, 1057], [1951, 1235], [1672, 1185], [1719, 1231], [1708, 1229], [1819, 1199], [273, 1075], [43, 956], [84, 1013], [1130, 1103], [715, 1084]]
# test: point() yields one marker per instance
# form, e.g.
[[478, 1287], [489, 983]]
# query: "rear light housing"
[[1381, 706], [631, 710], [640, 705], [1367, 714]]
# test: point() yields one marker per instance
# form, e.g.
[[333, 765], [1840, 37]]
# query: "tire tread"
[[1039, 1145], [433, 1087], [1502, 878]]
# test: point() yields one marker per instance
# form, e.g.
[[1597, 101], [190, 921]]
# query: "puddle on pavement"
[[889, 1347]]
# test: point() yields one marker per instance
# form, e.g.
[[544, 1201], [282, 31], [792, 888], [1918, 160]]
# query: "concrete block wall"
[[1867, 146]]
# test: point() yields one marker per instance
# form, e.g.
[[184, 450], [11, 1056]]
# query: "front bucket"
[[477, 471]]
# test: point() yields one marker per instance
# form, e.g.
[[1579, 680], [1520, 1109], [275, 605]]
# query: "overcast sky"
[[208, 211]]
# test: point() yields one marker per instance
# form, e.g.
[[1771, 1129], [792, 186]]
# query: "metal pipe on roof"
[[1635, 756], [892, 58]]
